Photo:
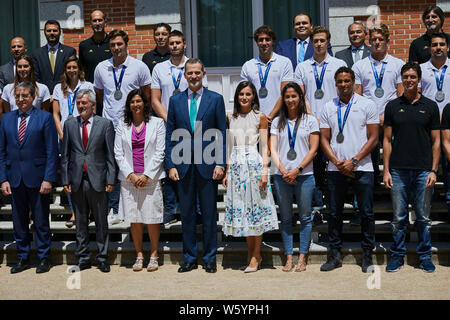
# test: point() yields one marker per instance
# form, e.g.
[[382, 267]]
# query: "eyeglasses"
[[23, 96]]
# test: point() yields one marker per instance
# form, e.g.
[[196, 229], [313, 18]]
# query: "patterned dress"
[[248, 210]]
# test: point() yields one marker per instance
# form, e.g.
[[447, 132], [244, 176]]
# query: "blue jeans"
[[363, 187], [303, 192], [404, 184]]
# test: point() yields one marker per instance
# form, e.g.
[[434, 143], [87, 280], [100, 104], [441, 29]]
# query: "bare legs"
[[254, 251], [137, 231]]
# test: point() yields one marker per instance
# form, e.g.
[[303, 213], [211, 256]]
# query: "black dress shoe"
[[22, 265], [104, 266], [44, 266], [210, 267], [186, 267], [84, 265]]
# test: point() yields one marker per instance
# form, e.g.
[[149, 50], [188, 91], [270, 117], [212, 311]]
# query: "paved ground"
[[122, 283]]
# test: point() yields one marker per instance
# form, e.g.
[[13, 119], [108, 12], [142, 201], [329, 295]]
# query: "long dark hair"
[[65, 78], [31, 77], [128, 115], [255, 102], [283, 115]]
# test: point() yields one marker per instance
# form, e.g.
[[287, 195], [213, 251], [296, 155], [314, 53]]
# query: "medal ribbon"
[[440, 82], [176, 82], [316, 75], [266, 75], [347, 112], [293, 136], [119, 84], [378, 79], [71, 102]]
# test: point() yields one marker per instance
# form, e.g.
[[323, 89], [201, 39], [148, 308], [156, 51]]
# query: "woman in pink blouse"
[[139, 151]]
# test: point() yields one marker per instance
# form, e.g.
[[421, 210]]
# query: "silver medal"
[[117, 94], [176, 91], [440, 96], [379, 92], [291, 155], [340, 137], [319, 94], [263, 92]]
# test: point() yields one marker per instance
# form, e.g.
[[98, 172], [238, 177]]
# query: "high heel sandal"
[[138, 265], [254, 269], [153, 264]]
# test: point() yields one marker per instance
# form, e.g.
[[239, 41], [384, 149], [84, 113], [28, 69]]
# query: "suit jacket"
[[347, 56], [211, 113], [288, 48], [6, 74], [42, 68], [99, 154], [35, 159], [155, 140]]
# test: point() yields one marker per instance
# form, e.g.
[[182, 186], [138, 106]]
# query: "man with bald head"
[[8, 70], [94, 50]]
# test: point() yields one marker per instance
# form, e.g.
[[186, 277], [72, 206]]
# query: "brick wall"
[[120, 15], [404, 19]]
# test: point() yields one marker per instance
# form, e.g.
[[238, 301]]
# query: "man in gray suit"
[[18, 48], [357, 50], [88, 172]]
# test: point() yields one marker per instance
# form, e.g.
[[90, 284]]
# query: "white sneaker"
[[113, 218]]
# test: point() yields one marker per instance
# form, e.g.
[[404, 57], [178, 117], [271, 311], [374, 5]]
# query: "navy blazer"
[[288, 48], [211, 113], [42, 68], [35, 159]]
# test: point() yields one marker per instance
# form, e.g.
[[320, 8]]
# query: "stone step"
[[381, 227], [229, 254]]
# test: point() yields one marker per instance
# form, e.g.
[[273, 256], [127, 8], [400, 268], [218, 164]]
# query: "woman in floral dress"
[[250, 209]]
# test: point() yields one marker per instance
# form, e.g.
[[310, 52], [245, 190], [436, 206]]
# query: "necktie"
[[356, 52], [52, 59], [301, 51], [193, 111], [85, 138], [22, 127]]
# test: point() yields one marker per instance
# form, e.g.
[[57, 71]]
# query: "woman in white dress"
[[294, 143], [64, 105], [250, 209], [139, 151], [24, 72]]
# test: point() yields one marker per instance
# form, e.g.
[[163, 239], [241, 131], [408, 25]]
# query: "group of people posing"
[[140, 139]]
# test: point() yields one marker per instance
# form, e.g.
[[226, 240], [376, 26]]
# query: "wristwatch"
[[435, 172], [300, 169], [355, 161]]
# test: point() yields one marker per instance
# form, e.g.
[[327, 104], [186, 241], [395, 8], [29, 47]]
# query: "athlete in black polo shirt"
[[433, 19], [161, 53], [411, 150], [94, 50]]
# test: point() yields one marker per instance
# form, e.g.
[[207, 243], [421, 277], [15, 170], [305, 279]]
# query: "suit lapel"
[[46, 59], [184, 114], [94, 129], [147, 133], [78, 133], [15, 126], [59, 59], [366, 52], [203, 105], [129, 134]]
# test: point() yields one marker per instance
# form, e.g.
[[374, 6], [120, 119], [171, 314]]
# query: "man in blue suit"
[[28, 159], [195, 158], [300, 48]]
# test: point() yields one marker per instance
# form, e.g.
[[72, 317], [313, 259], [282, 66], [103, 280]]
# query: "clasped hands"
[[346, 167], [139, 181]]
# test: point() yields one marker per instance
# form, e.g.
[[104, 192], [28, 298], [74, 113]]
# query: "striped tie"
[[22, 127]]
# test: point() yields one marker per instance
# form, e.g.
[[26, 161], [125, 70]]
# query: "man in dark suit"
[[28, 165], [7, 71], [357, 50], [300, 48], [49, 59], [198, 167], [88, 173]]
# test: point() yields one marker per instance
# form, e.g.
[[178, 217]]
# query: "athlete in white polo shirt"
[[168, 76], [113, 80], [435, 82], [269, 72], [383, 85], [316, 75], [349, 132], [116, 77]]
